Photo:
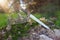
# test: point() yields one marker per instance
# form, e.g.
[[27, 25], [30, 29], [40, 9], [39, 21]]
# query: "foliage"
[[20, 30], [17, 30]]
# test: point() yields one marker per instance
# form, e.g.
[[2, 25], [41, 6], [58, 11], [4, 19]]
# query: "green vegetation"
[[58, 19], [19, 30], [3, 20], [38, 15]]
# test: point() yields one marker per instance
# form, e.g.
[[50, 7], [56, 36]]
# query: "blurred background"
[[14, 17]]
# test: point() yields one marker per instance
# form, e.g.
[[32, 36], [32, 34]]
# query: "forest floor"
[[30, 30]]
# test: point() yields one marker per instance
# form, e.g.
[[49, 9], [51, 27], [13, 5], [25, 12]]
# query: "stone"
[[57, 32], [8, 28], [44, 37], [51, 34]]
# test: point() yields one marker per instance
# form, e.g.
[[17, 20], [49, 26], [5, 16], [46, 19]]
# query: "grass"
[[3, 20], [38, 15]]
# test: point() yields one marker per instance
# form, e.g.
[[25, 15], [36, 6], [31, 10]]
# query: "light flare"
[[4, 5]]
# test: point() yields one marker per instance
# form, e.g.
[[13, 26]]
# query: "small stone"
[[8, 28], [19, 32]]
